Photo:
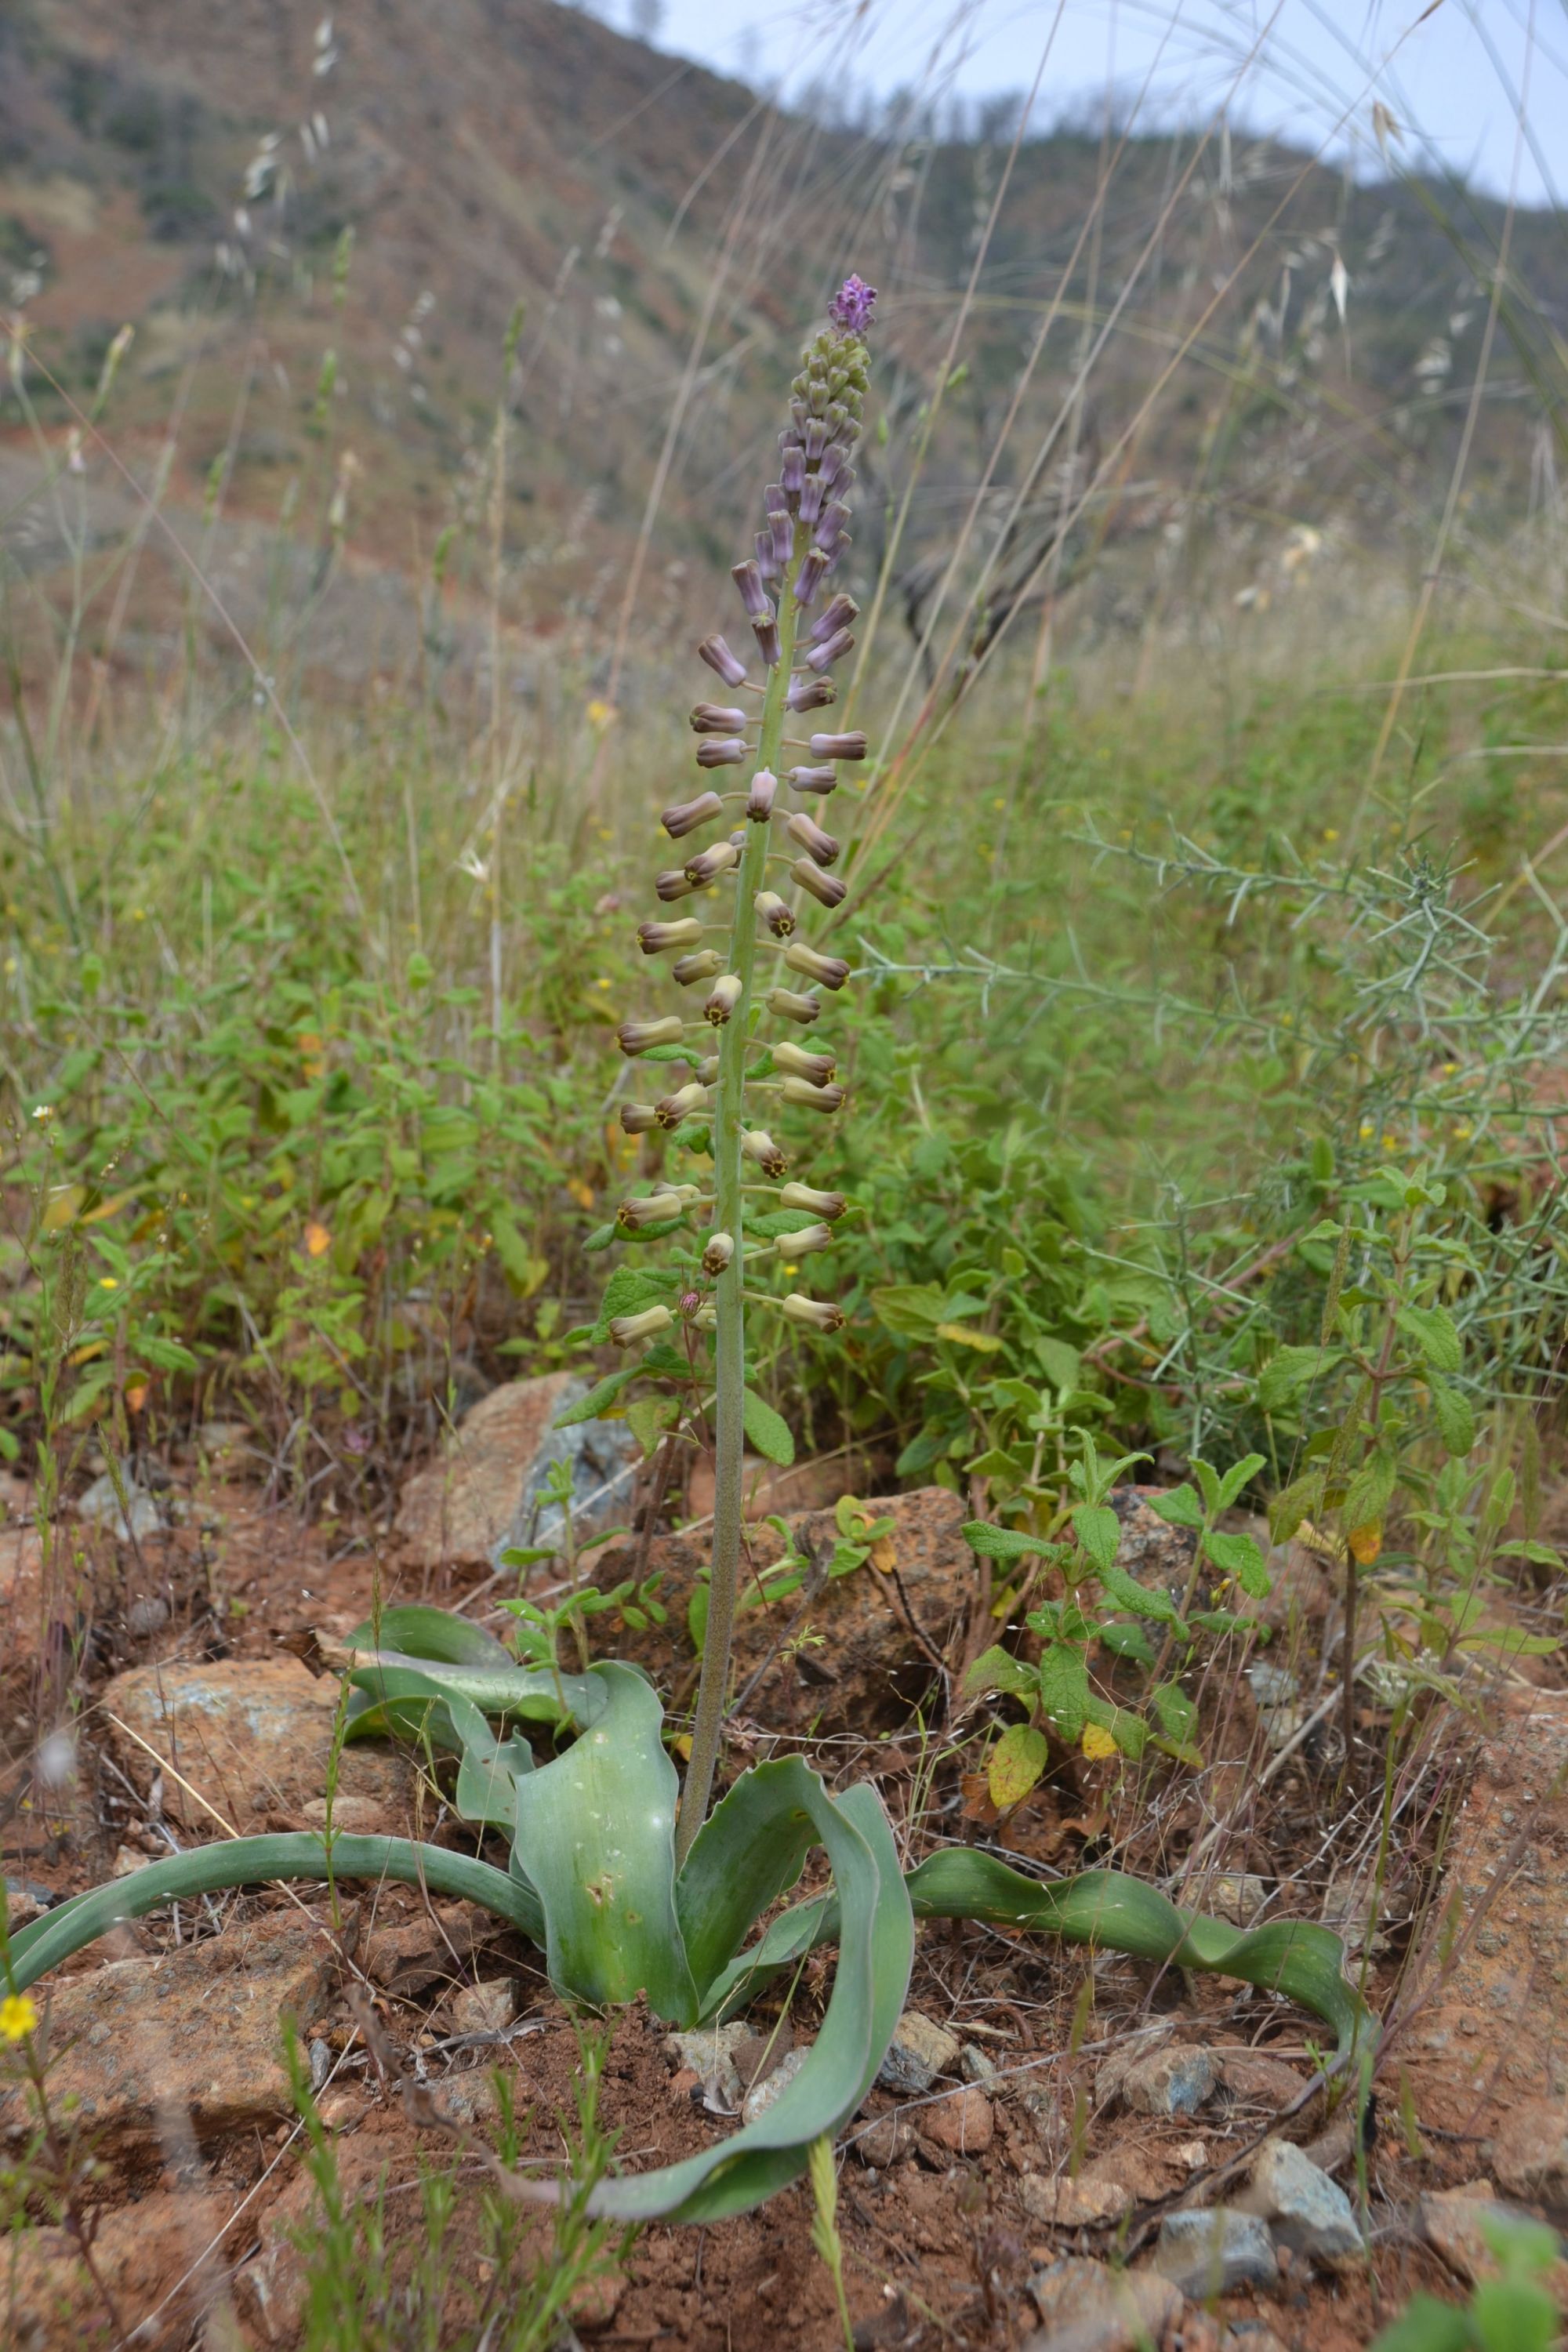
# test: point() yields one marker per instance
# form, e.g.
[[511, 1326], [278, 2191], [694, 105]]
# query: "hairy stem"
[[730, 1337], [247, 1862]]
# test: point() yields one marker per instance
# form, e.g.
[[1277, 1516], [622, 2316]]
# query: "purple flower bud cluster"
[[804, 537]]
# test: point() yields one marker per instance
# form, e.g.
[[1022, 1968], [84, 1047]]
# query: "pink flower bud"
[[828, 972], [792, 472], [767, 561], [798, 1063], [838, 614], [808, 835], [816, 1314], [839, 747], [626, 1329], [729, 751], [828, 889], [652, 1208], [754, 597], [814, 570], [768, 644], [815, 780], [805, 1096], [760, 798], [638, 1118], [811, 498], [830, 529], [775, 913], [832, 649], [683, 1104], [703, 965], [789, 1006], [757, 1145], [821, 1204], [710, 863], [782, 524], [721, 1249], [636, 1036], [721, 1002], [718, 657], [654, 938], [716, 719], [685, 816], [810, 693]]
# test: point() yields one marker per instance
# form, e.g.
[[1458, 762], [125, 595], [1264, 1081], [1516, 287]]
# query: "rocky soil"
[[1068, 2152]]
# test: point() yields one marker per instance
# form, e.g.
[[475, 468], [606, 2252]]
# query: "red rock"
[[963, 2125]]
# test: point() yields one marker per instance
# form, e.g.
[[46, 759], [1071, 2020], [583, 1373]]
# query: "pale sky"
[[1452, 81]]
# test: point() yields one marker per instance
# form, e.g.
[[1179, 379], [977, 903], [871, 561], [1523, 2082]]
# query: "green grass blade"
[[249, 1862], [596, 1832], [1120, 1913], [876, 1951]]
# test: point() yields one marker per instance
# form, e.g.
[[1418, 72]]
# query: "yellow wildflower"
[[318, 1240], [18, 2017]]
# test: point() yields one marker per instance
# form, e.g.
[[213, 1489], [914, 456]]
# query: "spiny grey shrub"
[[631, 1887]]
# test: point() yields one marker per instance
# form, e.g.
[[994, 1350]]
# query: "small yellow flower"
[[1366, 1131], [1330, 833], [318, 1240], [1390, 1141], [998, 803], [600, 714], [603, 980], [1463, 1131], [18, 2017], [1097, 1743], [138, 914], [10, 965], [792, 1269], [1449, 1068], [107, 1281]]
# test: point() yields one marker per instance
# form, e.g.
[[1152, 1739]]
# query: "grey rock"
[[145, 1617], [486, 2008], [919, 2052], [711, 2051], [976, 2067], [1238, 1896], [1174, 2080], [763, 2092], [486, 1492], [1272, 1686], [603, 1456], [1304, 2208], [1215, 2251], [1086, 2306], [100, 1506]]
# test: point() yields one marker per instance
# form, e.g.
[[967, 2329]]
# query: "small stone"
[[487, 2008], [1454, 2222], [1529, 2156], [884, 2142], [1089, 2307], [1215, 2251], [145, 1617], [131, 1521], [1272, 1686], [767, 2087], [1255, 2080], [962, 2125], [468, 2098], [710, 2051], [1192, 2153], [486, 1492], [24, 1903], [1174, 2079], [127, 1858], [341, 2108], [356, 1816], [919, 2052], [1305, 2210], [1080, 2204], [976, 2066], [1238, 1896]]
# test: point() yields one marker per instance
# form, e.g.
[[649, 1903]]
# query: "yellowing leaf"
[[63, 1206], [318, 1240], [1015, 1764], [988, 1340], [1366, 1542], [136, 1395], [1097, 1743], [883, 1556]]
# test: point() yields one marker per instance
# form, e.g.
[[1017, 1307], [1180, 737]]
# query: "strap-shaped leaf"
[[751, 1847], [537, 1696], [417, 1631], [595, 1833], [1107, 1908], [251, 1862], [876, 1951]]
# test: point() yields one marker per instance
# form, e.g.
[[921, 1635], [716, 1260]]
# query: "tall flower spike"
[[805, 509]]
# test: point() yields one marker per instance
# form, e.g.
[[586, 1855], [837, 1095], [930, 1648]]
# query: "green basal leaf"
[[1119, 1913], [876, 1930], [749, 1852], [416, 1631], [767, 1430], [595, 1833]]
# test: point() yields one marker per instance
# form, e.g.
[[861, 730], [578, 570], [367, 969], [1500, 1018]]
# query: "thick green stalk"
[[729, 1336], [250, 1862]]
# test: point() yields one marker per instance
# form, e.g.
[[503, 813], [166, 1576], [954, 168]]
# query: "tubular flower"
[[829, 890], [805, 1096], [654, 938], [804, 1243], [626, 1330], [790, 1005], [794, 1058], [704, 965], [718, 657], [816, 1314], [652, 1208], [683, 1104], [685, 816], [721, 1249], [640, 1037], [830, 1205], [757, 1144], [829, 971], [808, 835], [725, 995], [775, 913]]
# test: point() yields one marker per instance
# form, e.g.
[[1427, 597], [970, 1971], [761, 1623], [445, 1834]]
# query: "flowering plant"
[[628, 1883]]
